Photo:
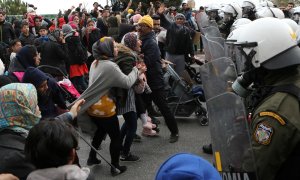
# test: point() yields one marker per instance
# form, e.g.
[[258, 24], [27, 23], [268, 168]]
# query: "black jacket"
[[6, 32], [54, 54], [178, 40], [90, 38], [77, 52], [27, 40], [12, 157], [152, 60], [103, 26]]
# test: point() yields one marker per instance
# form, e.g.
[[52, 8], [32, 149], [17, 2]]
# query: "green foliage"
[[13, 7]]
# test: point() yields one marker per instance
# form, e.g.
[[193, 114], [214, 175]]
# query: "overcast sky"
[[52, 6]]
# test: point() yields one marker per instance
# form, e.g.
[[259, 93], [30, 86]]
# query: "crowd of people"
[[111, 58], [110, 61]]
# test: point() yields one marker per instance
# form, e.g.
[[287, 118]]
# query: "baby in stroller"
[[184, 98]]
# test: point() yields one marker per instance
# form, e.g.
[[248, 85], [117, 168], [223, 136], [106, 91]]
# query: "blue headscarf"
[[26, 56]]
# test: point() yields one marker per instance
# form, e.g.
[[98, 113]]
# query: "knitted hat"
[[187, 166], [43, 27], [179, 15], [130, 11], [130, 40], [73, 25], [66, 28], [146, 20], [136, 18]]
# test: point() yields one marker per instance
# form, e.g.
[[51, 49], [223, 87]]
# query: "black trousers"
[[158, 96], [111, 127]]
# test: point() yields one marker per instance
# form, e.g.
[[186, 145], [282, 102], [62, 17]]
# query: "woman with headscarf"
[[19, 112], [26, 57], [55, 51], [104, 75], [77, 58], [126, 99], [50, 98]]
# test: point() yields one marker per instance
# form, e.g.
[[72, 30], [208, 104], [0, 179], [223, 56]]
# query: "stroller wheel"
[[203, 121]]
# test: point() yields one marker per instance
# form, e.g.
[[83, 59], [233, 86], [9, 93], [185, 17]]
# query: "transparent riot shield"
[[208, 56], [202, 20], [230, 137], [239, 59], [211, 31], [216, 47], [217, 77], [233, 52]]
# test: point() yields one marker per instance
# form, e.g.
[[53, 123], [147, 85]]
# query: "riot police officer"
[[272, 72], [232, 12], [249, 10]]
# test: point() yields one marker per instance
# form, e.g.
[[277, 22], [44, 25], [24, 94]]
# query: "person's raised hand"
[[76, 107], [161, 8]]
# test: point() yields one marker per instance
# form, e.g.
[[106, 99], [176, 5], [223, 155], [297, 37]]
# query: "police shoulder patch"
[[263, 133], [273, 115]]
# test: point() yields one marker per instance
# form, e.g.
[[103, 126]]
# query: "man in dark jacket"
[[155, 73], [6, 30], [26, 37], [102, 22], [179, 43]]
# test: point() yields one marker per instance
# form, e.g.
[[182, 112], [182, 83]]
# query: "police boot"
[[207, 149]]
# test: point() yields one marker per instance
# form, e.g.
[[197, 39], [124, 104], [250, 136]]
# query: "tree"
[[13, 7]]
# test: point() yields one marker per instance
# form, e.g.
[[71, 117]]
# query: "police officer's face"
[[296, 17], [228, 17], [212, 14]]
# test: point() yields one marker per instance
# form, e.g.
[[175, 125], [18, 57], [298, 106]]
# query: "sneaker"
[[130, 157], [137, 138], [117, 170], [149, 132], [173, 138], [92, 161], [207, 149]]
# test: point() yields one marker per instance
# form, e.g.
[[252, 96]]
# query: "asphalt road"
[[152, 150]]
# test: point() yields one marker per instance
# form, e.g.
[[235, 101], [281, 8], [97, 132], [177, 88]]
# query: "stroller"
[[67, 88], [184, 99]]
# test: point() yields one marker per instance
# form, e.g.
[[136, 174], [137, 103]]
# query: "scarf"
[[103, 49], [18, 107]]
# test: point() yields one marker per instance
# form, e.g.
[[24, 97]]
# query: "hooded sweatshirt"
[[53, 95], [23, 60]]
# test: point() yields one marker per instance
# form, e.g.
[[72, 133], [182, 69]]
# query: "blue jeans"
[[128, 130]]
